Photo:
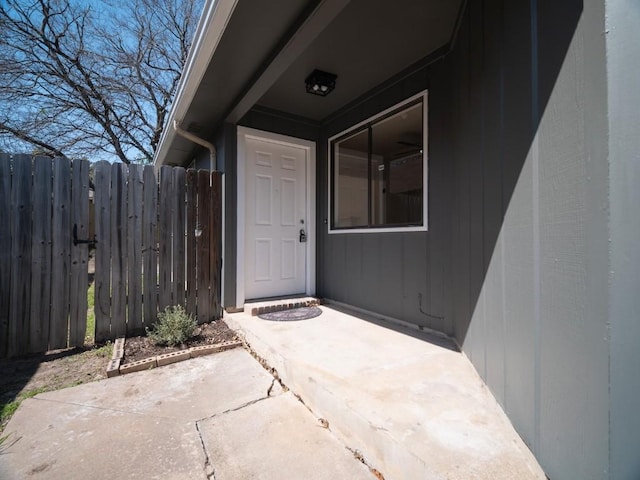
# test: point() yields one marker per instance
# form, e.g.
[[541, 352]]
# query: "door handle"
[[303, 236]]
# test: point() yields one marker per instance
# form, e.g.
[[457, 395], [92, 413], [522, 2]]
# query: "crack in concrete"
[[234, 409], [323, 422], [273, 382], [209, 470], [159, 417], [109, 409], [265, 365], [358, 456]]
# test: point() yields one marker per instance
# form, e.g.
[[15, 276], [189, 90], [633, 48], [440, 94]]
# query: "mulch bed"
[[139, 348]]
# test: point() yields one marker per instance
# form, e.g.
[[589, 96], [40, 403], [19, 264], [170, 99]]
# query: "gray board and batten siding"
[[514, 264], [623, 77], [524, 189]]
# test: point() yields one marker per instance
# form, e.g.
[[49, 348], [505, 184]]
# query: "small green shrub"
[[174, 326]]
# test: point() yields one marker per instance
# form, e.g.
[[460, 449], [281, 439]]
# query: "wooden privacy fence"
[[158, 244], [43, 278]]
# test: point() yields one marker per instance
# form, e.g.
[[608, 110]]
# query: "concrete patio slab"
[[146, 425], [206, 386], [291, 447], [411, 404], [56, 440]]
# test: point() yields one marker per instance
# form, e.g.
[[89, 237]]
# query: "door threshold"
[[258, 307]]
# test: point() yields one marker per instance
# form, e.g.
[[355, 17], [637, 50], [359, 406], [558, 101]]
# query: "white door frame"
[[244, 134]]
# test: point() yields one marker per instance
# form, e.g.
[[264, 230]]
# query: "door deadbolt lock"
[[303, 236]]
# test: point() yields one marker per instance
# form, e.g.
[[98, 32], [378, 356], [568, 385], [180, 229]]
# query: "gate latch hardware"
[[303, 236], [77, 241]]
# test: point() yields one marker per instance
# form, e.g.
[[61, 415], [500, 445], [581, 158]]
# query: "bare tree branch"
[[83, 80], [34, 141]]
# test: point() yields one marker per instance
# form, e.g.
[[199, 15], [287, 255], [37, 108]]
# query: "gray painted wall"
[[623, 59], [530, 260], [225, 141], [515, 262]]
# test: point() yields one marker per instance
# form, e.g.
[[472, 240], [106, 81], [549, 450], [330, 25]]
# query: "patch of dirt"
[[139, 348], [53, 370]]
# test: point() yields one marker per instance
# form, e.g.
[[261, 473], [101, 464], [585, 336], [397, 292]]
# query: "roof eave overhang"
[[213, 22]]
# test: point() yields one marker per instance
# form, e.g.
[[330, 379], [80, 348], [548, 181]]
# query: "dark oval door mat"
[[295, 314]]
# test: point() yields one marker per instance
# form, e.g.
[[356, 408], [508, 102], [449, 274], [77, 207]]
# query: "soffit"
[[365, 44], [253, 32], [370, 41]]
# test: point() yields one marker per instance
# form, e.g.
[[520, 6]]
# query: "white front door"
[[275, 215]]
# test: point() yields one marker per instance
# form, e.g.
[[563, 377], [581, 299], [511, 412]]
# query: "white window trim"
[[425, 169]]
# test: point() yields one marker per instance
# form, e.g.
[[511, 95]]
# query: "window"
[[378, 172]]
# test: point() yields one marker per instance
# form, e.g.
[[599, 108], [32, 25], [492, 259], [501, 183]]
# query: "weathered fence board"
[[60, 253], [178, 230], [5, 251], [150, 246], [19, 299], [41, 257], [203, 247], [102, 205], [166, 203], [192, 227], [118, 249], [79, 253], [158, 245], [215, 254], [134, 249]]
